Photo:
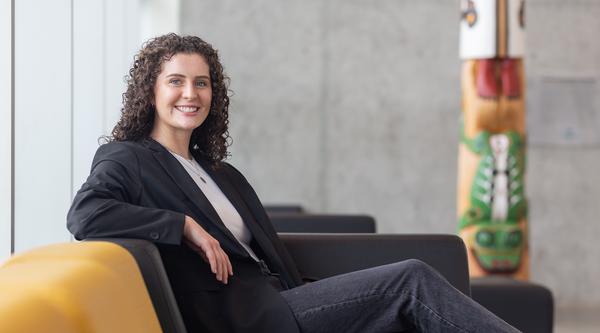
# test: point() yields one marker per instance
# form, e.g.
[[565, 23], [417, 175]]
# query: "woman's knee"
[[418, 267], [406, 271]]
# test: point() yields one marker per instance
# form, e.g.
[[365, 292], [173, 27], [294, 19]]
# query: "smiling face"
[[182, 95]]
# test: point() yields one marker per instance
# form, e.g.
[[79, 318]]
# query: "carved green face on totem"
[[497, 247], [494, 235]]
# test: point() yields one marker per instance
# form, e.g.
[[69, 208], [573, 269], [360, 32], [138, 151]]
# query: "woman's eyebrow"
[[183, 76]]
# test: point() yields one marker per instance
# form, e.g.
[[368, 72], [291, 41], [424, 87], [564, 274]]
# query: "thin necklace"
[[192, 166]]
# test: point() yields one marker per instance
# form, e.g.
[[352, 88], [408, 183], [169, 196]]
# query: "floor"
[[577, 321]]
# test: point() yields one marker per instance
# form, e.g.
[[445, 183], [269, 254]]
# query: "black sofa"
[[316, 256], [525, 305]]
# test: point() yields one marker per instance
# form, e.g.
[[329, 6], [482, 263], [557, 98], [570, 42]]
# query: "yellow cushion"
[[75, 287]]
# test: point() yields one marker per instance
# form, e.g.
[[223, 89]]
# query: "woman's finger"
[[223, 266], [229, 267], [219, 259], [212, 260]]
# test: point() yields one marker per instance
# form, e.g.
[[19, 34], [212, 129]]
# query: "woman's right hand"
[[208, 248]]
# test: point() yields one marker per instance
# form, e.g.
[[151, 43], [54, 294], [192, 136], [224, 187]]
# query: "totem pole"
[[492, 208]]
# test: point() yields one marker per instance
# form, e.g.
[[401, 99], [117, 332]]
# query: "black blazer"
[[139, 190]]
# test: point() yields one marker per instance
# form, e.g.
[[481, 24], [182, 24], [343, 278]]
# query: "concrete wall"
[[563, 67], [353, 107]]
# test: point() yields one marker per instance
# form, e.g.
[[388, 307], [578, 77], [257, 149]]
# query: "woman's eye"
[[175, 81], [201, 84]]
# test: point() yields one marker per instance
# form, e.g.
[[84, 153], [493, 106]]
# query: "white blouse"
[[228, 214]]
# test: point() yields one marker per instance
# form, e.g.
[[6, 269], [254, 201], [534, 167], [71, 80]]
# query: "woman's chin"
[[191, 123]]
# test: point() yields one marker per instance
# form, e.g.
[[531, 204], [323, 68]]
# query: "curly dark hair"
[[211, 139]]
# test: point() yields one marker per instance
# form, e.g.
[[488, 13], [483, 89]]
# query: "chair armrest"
[[157, 282], [324, 255]]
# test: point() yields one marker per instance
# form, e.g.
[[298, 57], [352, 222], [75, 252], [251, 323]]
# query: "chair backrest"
[[287, 209], [319, 256], [75, 287], [322, 223]]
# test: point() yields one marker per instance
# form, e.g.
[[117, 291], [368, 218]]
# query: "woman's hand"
[[208, 248]]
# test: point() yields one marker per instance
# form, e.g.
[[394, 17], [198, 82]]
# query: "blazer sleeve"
[[105, 206]]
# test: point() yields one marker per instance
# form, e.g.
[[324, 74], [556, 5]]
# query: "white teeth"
[[187, 108]]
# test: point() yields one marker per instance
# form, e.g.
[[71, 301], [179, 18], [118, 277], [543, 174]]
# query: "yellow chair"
[[75, 287]]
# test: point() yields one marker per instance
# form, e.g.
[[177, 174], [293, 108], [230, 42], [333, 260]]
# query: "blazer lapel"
[[240, 205], [187, 184]]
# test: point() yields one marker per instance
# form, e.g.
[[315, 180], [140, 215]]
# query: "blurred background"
[[339, 106]]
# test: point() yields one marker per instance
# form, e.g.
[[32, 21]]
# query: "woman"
[[162, 178]]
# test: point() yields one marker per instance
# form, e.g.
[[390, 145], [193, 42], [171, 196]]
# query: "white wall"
[[89, 81], [5, 127], [70, 61], [158, 17], [42, 121], [105, 38], [71, 57]]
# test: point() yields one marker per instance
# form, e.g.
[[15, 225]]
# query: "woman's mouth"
[[187, 109]]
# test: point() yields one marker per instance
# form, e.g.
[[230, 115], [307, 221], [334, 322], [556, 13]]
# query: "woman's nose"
[[189, 91]]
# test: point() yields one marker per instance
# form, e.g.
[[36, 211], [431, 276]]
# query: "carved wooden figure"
[[492, 208]]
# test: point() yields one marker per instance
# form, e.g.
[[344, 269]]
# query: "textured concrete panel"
[[563, 65], [564, 155], [562, 38], [564, 192], [564, 112], [393, 112]]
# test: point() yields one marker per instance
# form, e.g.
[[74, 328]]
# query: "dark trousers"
[[408, 296]]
